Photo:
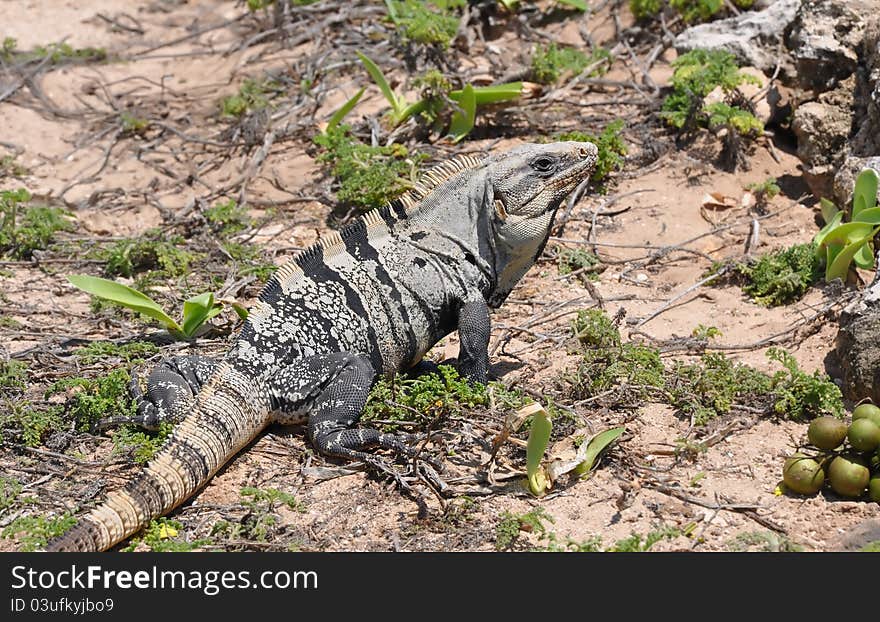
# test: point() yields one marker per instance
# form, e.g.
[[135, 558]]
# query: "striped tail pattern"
[[227, 413]]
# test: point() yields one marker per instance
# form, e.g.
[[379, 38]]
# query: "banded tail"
[[225, 415]]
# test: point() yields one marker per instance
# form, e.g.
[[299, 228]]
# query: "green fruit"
[[874, 488], [803, 475], [875, 461], [867, 411], [864, 435], [826, 432], [848, 475]]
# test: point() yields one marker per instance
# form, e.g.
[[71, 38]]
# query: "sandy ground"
[[117, 185]]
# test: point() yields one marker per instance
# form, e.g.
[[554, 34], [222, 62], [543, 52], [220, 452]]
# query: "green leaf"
[[125, 296], [871, 215], [539, 437], [847, 233], [397, 106], [864, 257], [819, 239], [346, 108], [865, 192], [580, 5], [510, 5], [838, 264], [829, 210], [596, 446], [197, 310], [463, 121], [491, 94]]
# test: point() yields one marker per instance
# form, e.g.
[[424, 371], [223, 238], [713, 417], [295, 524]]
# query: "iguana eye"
[[543, 164]]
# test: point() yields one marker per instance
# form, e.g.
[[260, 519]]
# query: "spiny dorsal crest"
[[334, 242]]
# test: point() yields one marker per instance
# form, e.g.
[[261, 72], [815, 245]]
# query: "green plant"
[[10, 490], [26, 228], [799, 395], [508, 529], [13, 377], [261, 520], [841, 244], [697, 10], [253, 95], [131, 352], [643, 9], [138, 443], [252, 259], [636, 543], [610, 144], [724, 115], [162, 536], [550, 62], [463, 102], [130, 256], [228, 218], [33, 532], [420, 400], [428, 23], [539, 437], [93, 399], [705, 332], [569, 260], [368, 177], [196, 310], [782, 276], [695, 75], [9, 167], [766, 189]]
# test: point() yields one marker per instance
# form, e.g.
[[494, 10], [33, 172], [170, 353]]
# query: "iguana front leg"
[[474, 329]]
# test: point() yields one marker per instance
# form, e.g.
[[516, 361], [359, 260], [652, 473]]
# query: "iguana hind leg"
[[331, 390], [171, 385]]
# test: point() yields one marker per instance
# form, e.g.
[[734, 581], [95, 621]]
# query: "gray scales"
[[366, 301]]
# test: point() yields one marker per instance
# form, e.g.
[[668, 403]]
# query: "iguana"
[[368, 300]]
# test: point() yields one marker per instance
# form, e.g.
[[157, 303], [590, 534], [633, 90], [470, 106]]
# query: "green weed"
[[551, 62], [141, 445], [33, 532], [798, 395], [228, 218], [508, 529], [251, 258], [253, 95], [26, 228], [783, 276], [763, 541], [428, 23], [420, 400], [9, 167], [132, 352], [93, 399], [368, 177], [569, 260], [162, 536], [129, 257], [695, 75]]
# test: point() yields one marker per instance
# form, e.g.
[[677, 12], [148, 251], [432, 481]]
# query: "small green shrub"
[[140, 444], [594, 329], [94, 399], [428, 23], [569, 260], [550, 62], [798, 395], [697, 10], [783, 276], [253, 95], [695, 75], [508, 529], [252, 260], [368, 177], [33, 532], [228, 218], [26, 228], [131, 256], [162, 535], [131, 353], [644, 9], [420, 400]]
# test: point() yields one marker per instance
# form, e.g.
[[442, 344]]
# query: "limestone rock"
[[754, 37]]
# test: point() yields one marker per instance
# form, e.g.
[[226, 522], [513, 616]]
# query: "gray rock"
[[858, 352], [824, 40], [754, 37], [845, 178], [822, 128]]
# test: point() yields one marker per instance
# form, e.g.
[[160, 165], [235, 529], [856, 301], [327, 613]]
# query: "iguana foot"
[[171, 385]]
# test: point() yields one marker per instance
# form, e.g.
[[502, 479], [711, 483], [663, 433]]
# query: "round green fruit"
[[874, 488], [867, 411], [826, 432], [864, 435], [803, 475], [848, 475]]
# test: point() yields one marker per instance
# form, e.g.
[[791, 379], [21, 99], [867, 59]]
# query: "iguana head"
[[526, 185]]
